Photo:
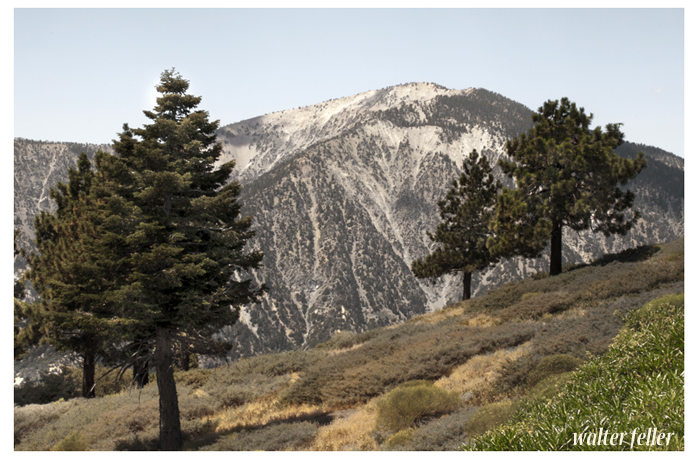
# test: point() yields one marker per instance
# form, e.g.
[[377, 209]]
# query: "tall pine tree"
[[566, 176], [186, 238], [463, 234]]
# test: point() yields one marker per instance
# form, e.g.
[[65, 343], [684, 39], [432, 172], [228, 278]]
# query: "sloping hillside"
[[342, 394]]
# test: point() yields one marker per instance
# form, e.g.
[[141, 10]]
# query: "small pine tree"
[[71, 273], [465, 212], [566, 175]]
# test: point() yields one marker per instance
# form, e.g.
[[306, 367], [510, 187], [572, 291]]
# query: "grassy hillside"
[[617, 399], [432, 383]]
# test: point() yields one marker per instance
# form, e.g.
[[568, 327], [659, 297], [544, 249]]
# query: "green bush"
[[490, 416], [406, 404]]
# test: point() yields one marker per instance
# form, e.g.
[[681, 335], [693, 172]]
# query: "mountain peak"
[[288, 132]]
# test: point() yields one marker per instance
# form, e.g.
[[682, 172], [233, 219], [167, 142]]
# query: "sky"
[[80, 74]]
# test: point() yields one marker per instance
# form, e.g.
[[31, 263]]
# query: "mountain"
[[342, 194]]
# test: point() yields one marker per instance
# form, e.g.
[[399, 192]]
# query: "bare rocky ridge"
[[342, 193]]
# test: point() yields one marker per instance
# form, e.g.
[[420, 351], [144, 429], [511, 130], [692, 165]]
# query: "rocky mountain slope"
[[342, 193]]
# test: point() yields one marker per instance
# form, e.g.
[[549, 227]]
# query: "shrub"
[[490, 416], [610, 277], [194, 378], [271, 364], [73, 442], [398, 439], [528, 295], [406, 404]]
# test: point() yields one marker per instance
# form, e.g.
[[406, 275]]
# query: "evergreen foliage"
[[566, 176], [466, 213], [72, 271], [24, 328], [183, 243]]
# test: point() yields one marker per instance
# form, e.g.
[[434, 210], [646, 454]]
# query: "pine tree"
[[566, 176], [463, 233], [185, 240], [25, 323], [72, 274]]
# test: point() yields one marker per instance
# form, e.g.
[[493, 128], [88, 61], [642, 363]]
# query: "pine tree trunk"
[[170, 431], [141, 373], [89, 375], [467, 286], [185, 361], [556, 266]]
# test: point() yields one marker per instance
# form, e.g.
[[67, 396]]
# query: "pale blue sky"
[[79, 74]]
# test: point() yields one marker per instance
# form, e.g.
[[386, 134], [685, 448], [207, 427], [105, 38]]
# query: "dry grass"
[[260, 412], [352, 433], [340, 351], [442, 314], [478, 374], [482, 320]]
